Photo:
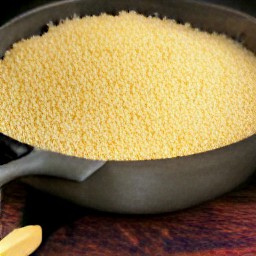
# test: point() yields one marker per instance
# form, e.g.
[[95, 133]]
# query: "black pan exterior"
[[11, 149]]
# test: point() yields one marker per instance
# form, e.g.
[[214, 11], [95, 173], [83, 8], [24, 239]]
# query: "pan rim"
[[64, 2]]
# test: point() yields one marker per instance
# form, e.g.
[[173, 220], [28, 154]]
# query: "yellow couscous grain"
[[127, 87]]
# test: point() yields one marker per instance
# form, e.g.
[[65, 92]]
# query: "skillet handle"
[[23, 160]]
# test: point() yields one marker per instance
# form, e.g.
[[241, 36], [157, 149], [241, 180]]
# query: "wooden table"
[[225, 226]]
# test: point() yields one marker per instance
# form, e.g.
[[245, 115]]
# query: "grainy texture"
[[223, 227], [128, 87]]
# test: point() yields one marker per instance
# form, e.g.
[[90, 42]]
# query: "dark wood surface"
[[225, 226]]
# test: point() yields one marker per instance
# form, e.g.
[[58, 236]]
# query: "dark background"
[[11, 8]]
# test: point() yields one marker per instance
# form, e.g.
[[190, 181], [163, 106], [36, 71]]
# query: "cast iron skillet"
[[132, 186]]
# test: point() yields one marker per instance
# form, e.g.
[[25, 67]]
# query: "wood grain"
[[225, 226]]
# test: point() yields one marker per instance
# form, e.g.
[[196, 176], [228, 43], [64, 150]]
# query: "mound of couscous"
[[127, 87]]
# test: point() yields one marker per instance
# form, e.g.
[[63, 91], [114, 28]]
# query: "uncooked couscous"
[[127, 87]]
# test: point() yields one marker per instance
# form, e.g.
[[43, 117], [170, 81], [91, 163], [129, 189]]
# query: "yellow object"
[[21, 241], [128, 87]]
